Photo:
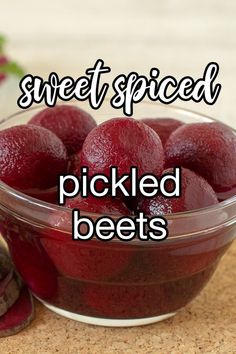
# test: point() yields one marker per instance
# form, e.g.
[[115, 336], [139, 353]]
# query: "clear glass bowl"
[[114, 283]]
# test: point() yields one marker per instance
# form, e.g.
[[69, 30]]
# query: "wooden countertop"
[[207, 325]]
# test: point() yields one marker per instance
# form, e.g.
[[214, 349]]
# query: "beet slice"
[[10, 288], [19, 315]]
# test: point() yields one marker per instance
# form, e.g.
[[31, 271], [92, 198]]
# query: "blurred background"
[[178, 37]]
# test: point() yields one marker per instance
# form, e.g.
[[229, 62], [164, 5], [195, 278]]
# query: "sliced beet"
[[196, 193], [18, 316], [9, 292]]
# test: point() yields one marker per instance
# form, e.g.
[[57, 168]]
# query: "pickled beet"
[[31, 157], [196, 193], [123, 142], [209, 149], [104, 205], [127, 301], [69, 123], [89, 260], [164, 127]]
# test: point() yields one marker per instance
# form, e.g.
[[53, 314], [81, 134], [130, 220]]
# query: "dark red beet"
[[196, 193], [71, 124], [123, 142], [209, 149], [31, 157], [104, 205], [90, 260], [9, 291], [18, 316], [180, 261], [164, 127]]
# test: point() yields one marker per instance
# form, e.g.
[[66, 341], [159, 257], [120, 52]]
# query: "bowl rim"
[[54, 207]]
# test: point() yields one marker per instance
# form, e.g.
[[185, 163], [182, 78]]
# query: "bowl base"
[[107, 322]]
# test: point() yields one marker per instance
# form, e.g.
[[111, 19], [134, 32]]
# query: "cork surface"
[[207, 325]]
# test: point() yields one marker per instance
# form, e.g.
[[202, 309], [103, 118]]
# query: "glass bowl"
[[114, 283]]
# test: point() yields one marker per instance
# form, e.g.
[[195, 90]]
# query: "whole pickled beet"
[[124, 301], [93, 259], [71, 124], [104, 205], [164, 127], [209, 149], [38, 272], [196, 193], [123, 142], [31, 158]]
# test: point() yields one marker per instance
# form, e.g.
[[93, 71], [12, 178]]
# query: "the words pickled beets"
[[129, 185], [128, 89]]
